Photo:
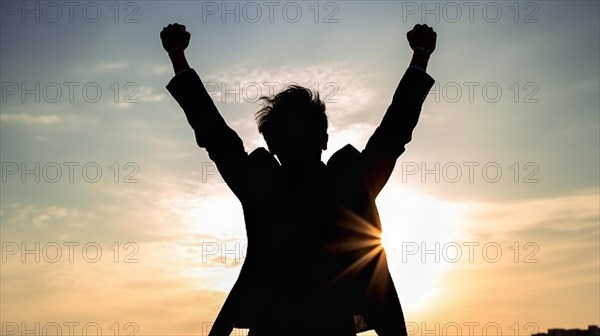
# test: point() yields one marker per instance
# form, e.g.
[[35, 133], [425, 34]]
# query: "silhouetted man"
[[314, 263]]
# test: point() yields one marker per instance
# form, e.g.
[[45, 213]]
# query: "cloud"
[[26, 221], [148, 94], [29, 119], [142, 94], [162, 69], [100, 68], [345, 91], [548, 257], [565, 212], [104, 67], [52, 116]]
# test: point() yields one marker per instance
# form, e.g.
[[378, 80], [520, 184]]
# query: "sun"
[[412, 224]]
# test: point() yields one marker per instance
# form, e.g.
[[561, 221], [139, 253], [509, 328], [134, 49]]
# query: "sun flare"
[[412, 223]]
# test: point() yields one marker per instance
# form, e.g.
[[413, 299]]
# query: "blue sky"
[[544, 126]]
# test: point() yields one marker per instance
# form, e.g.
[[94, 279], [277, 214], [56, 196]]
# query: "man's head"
[[294, 124]]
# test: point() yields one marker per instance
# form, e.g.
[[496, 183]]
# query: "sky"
[[114, 221]]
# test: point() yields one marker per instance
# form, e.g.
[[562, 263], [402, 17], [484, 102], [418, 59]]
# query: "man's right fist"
[[174, 36], [422, 37]]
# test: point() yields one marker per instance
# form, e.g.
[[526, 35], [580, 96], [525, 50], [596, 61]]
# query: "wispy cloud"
[[66, 119], [162, 69], [345, 90], [104, 67], [29, 119]]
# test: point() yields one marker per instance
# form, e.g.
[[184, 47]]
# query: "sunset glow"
[[111, 217]]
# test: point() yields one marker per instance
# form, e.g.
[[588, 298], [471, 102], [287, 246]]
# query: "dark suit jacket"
[[314, 262]]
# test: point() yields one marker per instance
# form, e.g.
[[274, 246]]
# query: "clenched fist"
[[174, 36], [422, 38]]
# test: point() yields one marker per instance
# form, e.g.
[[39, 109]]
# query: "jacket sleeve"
[[223, 144], [395, 131]]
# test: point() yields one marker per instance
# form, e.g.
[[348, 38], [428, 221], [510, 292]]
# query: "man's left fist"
[[174, 36]]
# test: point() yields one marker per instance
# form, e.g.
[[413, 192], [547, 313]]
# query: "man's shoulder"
[[262, 157], [347, 155]]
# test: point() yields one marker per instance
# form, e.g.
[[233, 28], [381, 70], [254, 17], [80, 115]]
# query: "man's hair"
[[295, 102]]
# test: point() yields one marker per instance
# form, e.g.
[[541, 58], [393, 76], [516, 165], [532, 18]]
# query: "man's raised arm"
[[224, 146], [395, 131]]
